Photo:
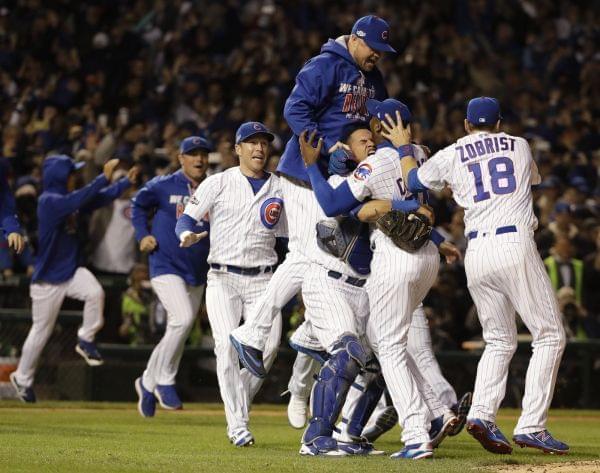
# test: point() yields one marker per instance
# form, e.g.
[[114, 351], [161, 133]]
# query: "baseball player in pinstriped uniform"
[[330, 92], [57, 271], [177, 275], [399, 280], [490, 174], [244, 206]]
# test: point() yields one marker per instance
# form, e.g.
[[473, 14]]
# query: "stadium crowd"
[[130, 79]]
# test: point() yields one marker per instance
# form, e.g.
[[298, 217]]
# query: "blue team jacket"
[[167, 196], [330, 93], [8, 218], [58, 254]]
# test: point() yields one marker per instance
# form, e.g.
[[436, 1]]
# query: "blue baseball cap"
[[192, 143], [374, 31], [390, 107], [64, 160], [248, 129], [483, 111]]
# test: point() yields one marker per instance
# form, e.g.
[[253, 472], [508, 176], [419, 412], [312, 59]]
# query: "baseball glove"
[[408, 231]]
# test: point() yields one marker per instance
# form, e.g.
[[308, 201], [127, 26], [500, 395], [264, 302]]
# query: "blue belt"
[[243, 271], [499, 231], [358, 282]]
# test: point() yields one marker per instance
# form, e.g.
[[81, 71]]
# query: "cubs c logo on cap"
[[270, 211], [256, 126], [385, 34], [363, 171]]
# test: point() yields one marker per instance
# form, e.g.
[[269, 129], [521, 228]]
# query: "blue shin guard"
[[330, 390], [365, 405]]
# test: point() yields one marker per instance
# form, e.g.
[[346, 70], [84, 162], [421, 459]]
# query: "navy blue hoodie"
[[8, 214], [58, 255], [330, 92]]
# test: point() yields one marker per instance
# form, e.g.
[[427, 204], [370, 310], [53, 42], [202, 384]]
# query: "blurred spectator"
[[112, 238], [564, 270], [143, 317]]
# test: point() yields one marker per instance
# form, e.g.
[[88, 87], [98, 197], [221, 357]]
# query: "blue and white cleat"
[[440, 426], [146, 400], [461, 409], [359, 448], [489, 436], [167, 397], [24, 393], [542, 440], [89, 352], [251, 358], [322, 446], [415, 451], [242, 438]]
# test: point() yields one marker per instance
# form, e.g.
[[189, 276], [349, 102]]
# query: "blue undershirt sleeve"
[[334, 202], [413, 182], [185, 223]]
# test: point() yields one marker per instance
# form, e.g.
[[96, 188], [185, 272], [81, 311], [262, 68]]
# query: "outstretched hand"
[[310, 154], [192, 238], [395, 131]]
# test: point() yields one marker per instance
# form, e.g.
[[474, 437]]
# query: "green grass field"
[[98, 437]]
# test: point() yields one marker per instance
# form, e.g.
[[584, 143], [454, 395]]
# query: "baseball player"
[[57, 271], [330, 92], [177, 275], [244, 206], [399, 279], [490, 174], [9, 223]]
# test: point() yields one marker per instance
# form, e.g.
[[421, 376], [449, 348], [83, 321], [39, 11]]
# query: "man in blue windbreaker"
[[177, 275], [58, 273]]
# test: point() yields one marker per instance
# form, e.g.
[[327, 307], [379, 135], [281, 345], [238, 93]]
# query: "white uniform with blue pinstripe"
[[398, 283], [243, 228], [491, 175]]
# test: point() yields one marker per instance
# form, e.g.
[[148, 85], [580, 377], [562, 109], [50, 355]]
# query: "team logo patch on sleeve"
[[363, 171], [270, 211], [193, 200]]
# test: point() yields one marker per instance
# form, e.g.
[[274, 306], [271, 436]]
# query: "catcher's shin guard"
[[366, 404], [331, 387]]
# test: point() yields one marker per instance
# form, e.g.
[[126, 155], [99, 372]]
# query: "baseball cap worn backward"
[[375, 32], [192, 143], [483, 111], [389, 107], [248, 129]]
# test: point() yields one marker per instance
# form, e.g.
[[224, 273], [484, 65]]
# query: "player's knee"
[[347, 356], [96, 294], [183, 323]]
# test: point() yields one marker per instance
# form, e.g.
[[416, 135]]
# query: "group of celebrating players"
[[365, 338]]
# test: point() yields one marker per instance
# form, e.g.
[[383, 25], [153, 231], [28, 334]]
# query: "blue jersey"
[[166, 197], [330, 93], [58, 254]]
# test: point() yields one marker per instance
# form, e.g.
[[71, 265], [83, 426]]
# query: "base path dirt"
[[559, 467]]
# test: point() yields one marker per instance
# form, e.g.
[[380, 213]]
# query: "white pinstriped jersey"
[[380, 177], [243, 226], [324, 258], [490, 175]]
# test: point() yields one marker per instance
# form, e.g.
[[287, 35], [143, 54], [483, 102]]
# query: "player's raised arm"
[[333, 201]]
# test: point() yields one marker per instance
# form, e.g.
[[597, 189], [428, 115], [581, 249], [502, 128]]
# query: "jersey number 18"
[[502, 178]]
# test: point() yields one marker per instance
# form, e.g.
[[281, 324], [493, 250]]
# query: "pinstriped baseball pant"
[[181, 302], [505, 273], [229, 299], [47, 298], [398, 283]]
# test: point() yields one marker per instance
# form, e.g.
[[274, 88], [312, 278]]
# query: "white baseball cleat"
[[297, 411]]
